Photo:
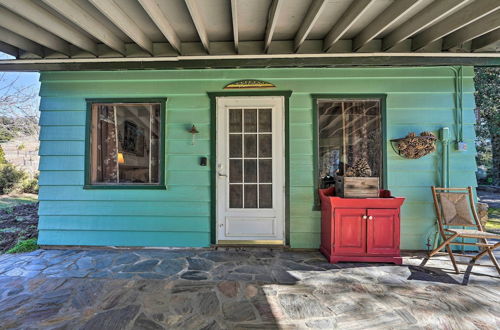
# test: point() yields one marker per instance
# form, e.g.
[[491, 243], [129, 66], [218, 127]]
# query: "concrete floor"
[[239, 289]]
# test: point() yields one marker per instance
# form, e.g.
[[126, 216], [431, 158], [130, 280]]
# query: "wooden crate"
[[356, 187]]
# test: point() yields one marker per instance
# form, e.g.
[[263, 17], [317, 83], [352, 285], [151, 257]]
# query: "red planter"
[[360, 229]]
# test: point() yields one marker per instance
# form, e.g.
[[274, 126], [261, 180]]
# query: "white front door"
[[250, 172]]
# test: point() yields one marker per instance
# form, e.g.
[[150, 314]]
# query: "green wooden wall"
[[418, 99]]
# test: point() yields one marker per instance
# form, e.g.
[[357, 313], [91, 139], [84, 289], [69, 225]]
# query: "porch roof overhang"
[[150, 34]]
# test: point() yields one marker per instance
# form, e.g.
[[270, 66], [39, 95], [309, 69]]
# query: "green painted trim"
[[368, 61], [159, 186], [383, 109], [213, 142]]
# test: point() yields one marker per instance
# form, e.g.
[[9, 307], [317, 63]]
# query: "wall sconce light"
[[121, 159], [193, 131]]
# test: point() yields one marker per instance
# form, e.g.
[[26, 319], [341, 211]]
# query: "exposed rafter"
[[116, 15], [153, 9], [390, 16], [272, 19], [234, 16], [468, 15], [195, 13], [312, 16], [352, 14], [51, 23], [486, 40], [32, 32], [20, 42], [76, 14], [484, 25], [9, 49], [428, 16]]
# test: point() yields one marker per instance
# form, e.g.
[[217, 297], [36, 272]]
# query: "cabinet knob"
[[364, 217], [370, 217]]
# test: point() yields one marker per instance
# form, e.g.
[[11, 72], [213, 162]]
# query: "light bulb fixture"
[[193, 131], [121, 159]]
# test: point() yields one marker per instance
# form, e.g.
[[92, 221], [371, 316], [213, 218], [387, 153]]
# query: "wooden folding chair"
[[456, 207]]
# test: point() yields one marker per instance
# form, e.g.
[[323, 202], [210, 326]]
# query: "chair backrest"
[[455, 207]]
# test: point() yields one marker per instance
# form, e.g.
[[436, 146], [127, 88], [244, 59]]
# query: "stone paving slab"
[[239, 289]]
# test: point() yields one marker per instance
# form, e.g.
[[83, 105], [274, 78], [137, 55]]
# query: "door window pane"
[[250, 120], [251, 170], [250, 145], [235, 145], [125, 143], [265, 196], [235, 171], [236, 196], [265, 120], [235, 123], [265, 145], [349, 130], [250, 196]]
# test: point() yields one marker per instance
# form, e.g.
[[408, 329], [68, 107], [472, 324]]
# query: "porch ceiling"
[[94, 30]]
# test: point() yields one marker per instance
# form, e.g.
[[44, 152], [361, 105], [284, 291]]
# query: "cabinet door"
[[383, 231], [350, 231]]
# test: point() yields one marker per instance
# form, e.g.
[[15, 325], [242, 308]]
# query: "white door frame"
[[224, 215]]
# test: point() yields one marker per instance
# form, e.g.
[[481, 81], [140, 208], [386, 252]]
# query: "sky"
[[22, 79]]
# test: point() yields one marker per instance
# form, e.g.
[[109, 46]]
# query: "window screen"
[[125, 143], [348, 130]]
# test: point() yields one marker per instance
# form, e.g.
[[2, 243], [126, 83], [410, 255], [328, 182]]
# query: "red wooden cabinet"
[[366, 229]]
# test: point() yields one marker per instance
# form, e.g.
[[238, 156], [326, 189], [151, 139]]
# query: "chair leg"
[[494, 260], [452, 257], [489, 250]]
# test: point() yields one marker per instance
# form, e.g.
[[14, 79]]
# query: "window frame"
[[383, 121], [88, 133]]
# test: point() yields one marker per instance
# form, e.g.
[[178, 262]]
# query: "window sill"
[[126, 187]]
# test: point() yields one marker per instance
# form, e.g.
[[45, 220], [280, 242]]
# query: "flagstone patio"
[[239, 289]]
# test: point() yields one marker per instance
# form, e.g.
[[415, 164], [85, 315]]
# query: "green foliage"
[[2, 156], [11, 179], [30, 185], [487, 81], [24, 246]]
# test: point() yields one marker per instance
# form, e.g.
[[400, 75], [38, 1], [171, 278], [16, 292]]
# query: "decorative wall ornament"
[[249, 83], [415, 146]]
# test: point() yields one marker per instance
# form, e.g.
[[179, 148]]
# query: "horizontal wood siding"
[[418, 99]]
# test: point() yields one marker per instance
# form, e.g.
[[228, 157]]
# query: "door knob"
[[221, 174]]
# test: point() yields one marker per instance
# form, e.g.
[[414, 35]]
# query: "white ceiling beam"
[[195, 13], [312, 16], [116, 15], [30, 31], [272, 20], [153, 9], [461, 18], [472, 31], [390, 16], [485, 40], [234, 16], [20, 42], [41, 17], [348, 18], [9, 49], [425, 18], [76, 14]]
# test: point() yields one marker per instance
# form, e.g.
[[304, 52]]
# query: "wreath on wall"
[[415, 146]]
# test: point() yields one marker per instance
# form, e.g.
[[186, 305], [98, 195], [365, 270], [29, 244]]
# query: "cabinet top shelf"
[[385, 201]]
